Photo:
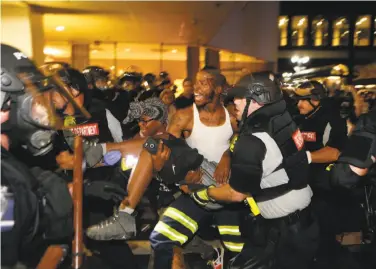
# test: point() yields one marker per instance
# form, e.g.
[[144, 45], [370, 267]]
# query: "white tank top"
[[210, 141]]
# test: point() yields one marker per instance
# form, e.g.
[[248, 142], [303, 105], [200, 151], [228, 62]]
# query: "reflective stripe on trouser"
[[181, 221]]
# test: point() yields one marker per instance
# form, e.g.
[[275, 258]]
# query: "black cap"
[[263, 87]]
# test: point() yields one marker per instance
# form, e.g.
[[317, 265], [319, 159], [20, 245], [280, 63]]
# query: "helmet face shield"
[[44, 97]]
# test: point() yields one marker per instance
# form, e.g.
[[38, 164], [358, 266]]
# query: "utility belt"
[[299, 217]]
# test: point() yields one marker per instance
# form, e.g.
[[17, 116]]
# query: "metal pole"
[[77, 248]]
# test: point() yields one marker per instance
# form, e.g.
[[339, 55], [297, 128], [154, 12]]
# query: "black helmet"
[[76, 80], [27, 94], [128, 80], [310, 90], [148, 81], [95, 73], [263, 87], [164, 78], [163, 75]]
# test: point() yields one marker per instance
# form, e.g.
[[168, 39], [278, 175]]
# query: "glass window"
[[362, 31], [319, 31], [283, 30], [340, 32], [299, 31]]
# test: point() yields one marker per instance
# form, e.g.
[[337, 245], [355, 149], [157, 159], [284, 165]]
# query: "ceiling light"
[[301, 21], [127, 50], [112, 67], [51, 51], [94, 51], [60, 28], [174, 51], [294, 59], [319, 23]]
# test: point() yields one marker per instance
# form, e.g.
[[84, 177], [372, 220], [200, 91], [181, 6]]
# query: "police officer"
[[28, 119], [116, 100], [358, 156], [273, 179], [323, 130]]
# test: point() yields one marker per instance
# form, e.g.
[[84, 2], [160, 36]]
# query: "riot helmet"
[[129, 81], [148, 81], [29, 96], [97, 77], [310, 90], [262, 87]]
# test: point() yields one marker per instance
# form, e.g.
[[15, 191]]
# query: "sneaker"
[[120, 226]]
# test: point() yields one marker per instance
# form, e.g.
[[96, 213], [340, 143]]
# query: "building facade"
[[316, 34]]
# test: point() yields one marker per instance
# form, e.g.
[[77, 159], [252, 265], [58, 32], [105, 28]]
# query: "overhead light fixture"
[[127, 50], [174, 51], [370, 86], [112, 67], [94, 51], [60, 28], [51, 51], [294, 59], [305, 59], [339, 23], [319, 23]]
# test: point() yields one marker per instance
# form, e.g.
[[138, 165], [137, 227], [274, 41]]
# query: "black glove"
[[104, 190]]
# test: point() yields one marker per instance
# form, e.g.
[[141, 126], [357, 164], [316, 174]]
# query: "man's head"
[[78, 89], [309, 95], [151, 115], [28, 112], [253, 91], [96, 77], [167, 96], [188, 87], [208, 87]]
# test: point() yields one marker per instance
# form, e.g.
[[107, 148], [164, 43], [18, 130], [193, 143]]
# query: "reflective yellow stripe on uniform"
[[231, 230], [234, 247], [253, 206], [182, 218], [170, 233]]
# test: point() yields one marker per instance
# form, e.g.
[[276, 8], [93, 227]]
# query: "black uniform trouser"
[[180, 222], [279, 244]]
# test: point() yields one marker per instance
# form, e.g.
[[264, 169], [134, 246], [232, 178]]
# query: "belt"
[[300, 216]]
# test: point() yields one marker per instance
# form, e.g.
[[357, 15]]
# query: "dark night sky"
[[327, 7]]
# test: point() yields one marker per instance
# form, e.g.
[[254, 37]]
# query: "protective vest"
[[275, 121]]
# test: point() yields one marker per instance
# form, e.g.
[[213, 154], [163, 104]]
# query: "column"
[[193, 61], [80, 56], [212, 58], [22, 28]]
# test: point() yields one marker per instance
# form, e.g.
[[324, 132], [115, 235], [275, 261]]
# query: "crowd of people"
[[274, 177]]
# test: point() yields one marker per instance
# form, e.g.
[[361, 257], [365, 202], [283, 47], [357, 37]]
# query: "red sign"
[[309, 136], [90, 129], [298, 139]]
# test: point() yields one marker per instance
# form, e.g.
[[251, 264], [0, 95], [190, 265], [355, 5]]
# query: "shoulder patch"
[[298, 139]]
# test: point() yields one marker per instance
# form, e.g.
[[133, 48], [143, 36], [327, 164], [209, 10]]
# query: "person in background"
[[186, 98], [168, 98]]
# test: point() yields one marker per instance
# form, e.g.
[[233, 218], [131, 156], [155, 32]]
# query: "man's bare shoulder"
[[180, 121]]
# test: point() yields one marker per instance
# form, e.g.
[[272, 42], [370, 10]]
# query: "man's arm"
[[246, 171], [337, 139], [179, 122]]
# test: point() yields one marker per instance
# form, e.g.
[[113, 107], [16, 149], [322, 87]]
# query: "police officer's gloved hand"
[[202, 198], [104, 190]]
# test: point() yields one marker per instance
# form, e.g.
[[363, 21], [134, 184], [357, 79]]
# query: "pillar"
[[212, 58], [22, 28], [193, 61], [80, 56]]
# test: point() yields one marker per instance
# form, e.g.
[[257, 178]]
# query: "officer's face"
[[305, 107], [101, 83], [204, 90], [148, 126], [240, 104]]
